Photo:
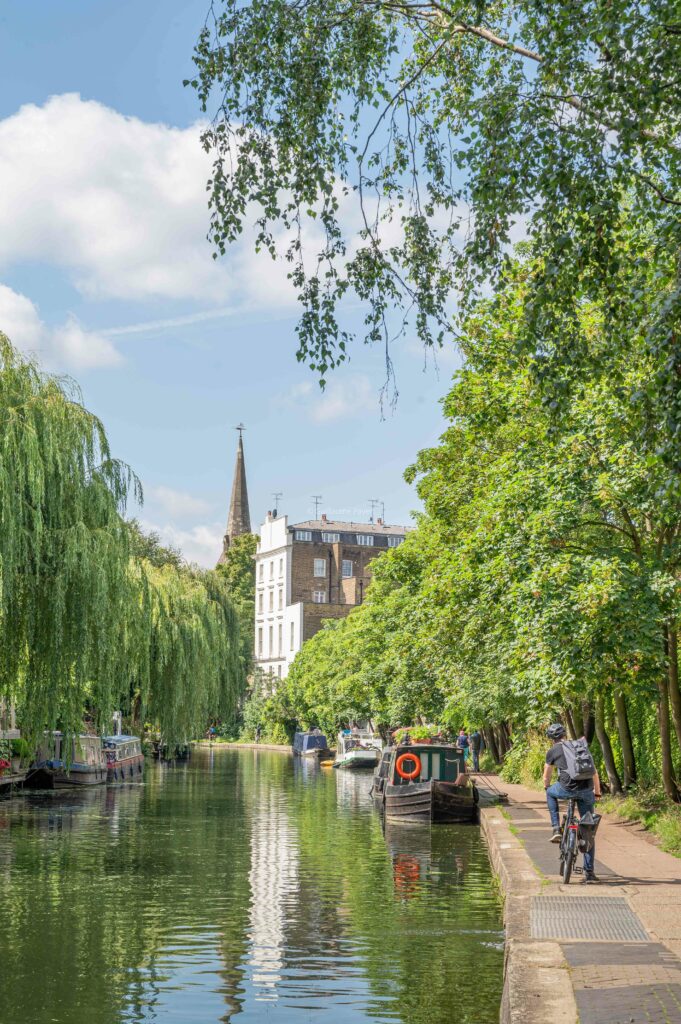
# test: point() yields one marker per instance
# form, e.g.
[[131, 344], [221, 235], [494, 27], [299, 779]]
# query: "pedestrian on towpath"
[[462, 741], [477, 745]]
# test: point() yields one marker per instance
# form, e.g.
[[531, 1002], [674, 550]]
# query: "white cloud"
[[121, 206], [68, 345], [176, 504], [342, 398], [201, 544]]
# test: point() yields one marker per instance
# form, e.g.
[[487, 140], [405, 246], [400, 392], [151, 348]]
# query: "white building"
[[306, 573]]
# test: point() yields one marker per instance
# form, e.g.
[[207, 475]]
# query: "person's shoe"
[[556, 836], [589, 878]]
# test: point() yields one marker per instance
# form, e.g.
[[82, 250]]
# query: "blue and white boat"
[[53, 770]]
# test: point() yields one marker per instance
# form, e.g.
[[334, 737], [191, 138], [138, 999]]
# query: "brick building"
[[308, 572]]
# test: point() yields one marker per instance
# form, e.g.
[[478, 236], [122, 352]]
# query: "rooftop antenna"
[[317, 498], [374, 502], [383, 512], [276, 495]]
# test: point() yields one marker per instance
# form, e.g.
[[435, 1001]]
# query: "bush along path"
[[607, 954]]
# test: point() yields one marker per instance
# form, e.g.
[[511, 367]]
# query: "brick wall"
[[336, 589]]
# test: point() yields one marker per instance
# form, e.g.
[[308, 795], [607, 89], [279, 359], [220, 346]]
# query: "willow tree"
[[66, 591], [392, 147], [84, 620]]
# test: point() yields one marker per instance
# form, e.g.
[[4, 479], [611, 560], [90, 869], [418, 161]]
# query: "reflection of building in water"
[[273, 880]]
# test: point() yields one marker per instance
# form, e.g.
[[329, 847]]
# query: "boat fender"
[[399, 766]]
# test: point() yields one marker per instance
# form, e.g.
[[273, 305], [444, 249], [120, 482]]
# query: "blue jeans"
[[585, 802]]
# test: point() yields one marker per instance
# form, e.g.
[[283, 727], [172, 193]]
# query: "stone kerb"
[[537, 986]]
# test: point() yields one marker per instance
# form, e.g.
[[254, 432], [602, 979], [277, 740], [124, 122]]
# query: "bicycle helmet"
[[555, 731]]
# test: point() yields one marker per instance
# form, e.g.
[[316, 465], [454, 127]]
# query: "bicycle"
[[577, 837]]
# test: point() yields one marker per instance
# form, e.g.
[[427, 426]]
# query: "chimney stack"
[[323, 517], [380, 522]]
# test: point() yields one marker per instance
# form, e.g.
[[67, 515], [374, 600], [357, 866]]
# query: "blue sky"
[[105, 273]]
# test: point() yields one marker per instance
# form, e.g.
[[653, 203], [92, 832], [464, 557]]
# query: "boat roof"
[[119, 739]]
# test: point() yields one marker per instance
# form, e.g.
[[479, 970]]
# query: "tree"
[[238, 571], [147, 544], [391, 147], [87, 620]]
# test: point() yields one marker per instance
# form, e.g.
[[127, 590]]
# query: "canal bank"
[[606, 954]]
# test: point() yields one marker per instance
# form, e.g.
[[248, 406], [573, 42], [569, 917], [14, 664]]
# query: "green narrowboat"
[[425, 782]]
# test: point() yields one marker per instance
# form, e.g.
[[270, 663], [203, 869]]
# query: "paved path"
[[621, 943]]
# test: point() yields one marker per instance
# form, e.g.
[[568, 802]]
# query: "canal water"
[[243, 886]]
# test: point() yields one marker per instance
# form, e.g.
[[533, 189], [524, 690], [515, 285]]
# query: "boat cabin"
[[119, 748], [309, 742], [422, 762], [85, 750]]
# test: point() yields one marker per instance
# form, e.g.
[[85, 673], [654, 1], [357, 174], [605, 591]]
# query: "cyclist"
[[585, 792]]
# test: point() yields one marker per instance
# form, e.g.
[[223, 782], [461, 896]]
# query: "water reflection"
[[243, 885]]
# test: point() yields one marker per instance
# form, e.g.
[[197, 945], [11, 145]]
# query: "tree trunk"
[[507, 736], [570, 722], [628, 758], [491, 744], [606, 746], [670, 786], [589, 721], [673, 677], [501, 741], [577, 720]]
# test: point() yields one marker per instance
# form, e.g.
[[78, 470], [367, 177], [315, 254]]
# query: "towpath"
[[606, 954]]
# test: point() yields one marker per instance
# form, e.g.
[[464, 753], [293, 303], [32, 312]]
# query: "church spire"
[[239, 520]]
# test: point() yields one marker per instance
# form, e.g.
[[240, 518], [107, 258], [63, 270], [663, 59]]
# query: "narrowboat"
[[124, 758], [311, 744], [53, 770], [359, 750], [425, 782]]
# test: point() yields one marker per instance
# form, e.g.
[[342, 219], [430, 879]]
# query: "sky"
[[106, 275]]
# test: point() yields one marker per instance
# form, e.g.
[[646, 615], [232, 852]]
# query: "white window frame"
[[302, 535], [319, 597], [394, 542], [331, 538], [281, 566], [293, 636], [281, 598], [280, 639], [271, 607], [319, 564], [261, 606], [365, 540], [271, 639], [347, 562], [260, 641], [272, 569], [262, 570]]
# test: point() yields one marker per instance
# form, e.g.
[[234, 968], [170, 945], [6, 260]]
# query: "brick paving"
[[614, 982]]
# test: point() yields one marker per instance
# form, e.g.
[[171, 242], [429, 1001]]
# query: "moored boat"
[[52, 769], [425, 782], [124, 758], [311, 744], [358, 750]]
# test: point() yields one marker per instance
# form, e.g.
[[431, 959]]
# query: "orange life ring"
[[416, 770]]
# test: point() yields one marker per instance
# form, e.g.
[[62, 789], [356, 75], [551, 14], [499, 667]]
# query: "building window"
[[279, 671], [281, 566], [303, 535], [320, 567], [262, 570], [260, 641], [281, 639], [331, 538], [319, 596], [347, 568], [394, 542], [271, 600], [260, 601], [366, 539], [271, 650], [281, 598], [272, 570]]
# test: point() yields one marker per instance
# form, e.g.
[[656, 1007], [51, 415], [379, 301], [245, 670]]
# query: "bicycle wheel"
[[569, 857]]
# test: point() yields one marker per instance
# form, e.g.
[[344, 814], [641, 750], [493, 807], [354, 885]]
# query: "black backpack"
[[579, 764]]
